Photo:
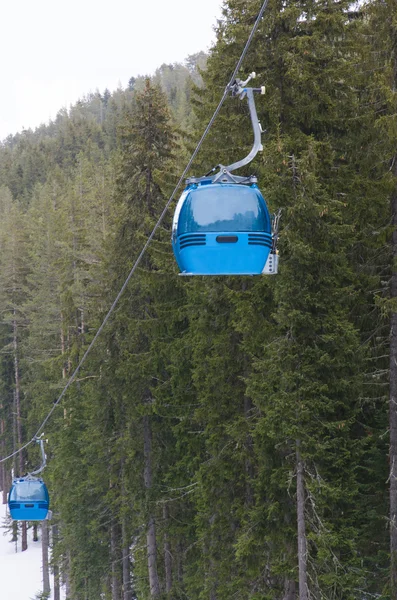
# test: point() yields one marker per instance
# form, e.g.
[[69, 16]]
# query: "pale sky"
[[54, 52]]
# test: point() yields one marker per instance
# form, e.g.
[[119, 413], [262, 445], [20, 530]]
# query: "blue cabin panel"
[[28, 500], [222, 229], [235, 254]]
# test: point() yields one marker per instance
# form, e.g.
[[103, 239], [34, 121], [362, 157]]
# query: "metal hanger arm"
[[43, 458], [257, 147]]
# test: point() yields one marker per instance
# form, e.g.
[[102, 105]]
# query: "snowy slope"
[[20, 572]]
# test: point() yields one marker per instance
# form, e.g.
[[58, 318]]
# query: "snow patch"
[[20, 572]]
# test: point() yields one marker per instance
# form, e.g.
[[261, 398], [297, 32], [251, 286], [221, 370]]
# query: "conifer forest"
[[228, 438]]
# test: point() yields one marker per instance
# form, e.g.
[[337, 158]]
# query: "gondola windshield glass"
[[215, 208], [28, 491]]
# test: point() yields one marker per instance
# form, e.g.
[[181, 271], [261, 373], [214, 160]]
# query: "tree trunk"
[[167, 552], [44, 546], [65, 363], [213, 590], [179, 563], [127, 591], [152, 558], [302, 540], [15, 534], [289, 590], [393, 408], [35, 535], [57, 587], [4, 478], [211, 549], [7, 484], [24, 536], [17, 391], [18, 418], [151, 528], [114, 556], [68, 587], [15, 528]]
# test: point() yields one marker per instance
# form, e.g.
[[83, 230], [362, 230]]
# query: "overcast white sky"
[[54, 52]]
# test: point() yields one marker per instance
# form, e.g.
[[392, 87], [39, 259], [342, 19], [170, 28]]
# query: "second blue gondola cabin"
[[28, 499]]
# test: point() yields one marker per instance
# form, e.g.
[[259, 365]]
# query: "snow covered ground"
[[20, 572]]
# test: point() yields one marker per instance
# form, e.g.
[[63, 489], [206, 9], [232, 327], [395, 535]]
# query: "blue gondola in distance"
[[28, 498], [222, 225]]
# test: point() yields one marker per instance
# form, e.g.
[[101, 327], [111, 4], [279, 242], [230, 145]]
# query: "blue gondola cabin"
[[28, 499], [221, 229]]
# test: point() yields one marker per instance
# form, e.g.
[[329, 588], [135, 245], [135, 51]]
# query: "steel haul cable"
[[151, 236]]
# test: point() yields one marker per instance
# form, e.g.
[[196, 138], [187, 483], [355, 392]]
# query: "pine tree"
[[300, 57], [123, 411]]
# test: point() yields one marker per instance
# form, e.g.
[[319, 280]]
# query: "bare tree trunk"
[[179, 568], [35, 536], [167, 552], [44, 546], [114, 555], [15, 532], [82, 326], [57, 587], [4, 478], [393, 408], [302, 540], [18, 416], [24, 536], [125, 542], [289, 590], [65, 365], [15, 529], [152, 558], [17, 391], [127, 591], [154, 582], [7, 484], [68, 588]]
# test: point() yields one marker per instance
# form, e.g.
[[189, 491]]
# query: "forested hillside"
[[228, 437]]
